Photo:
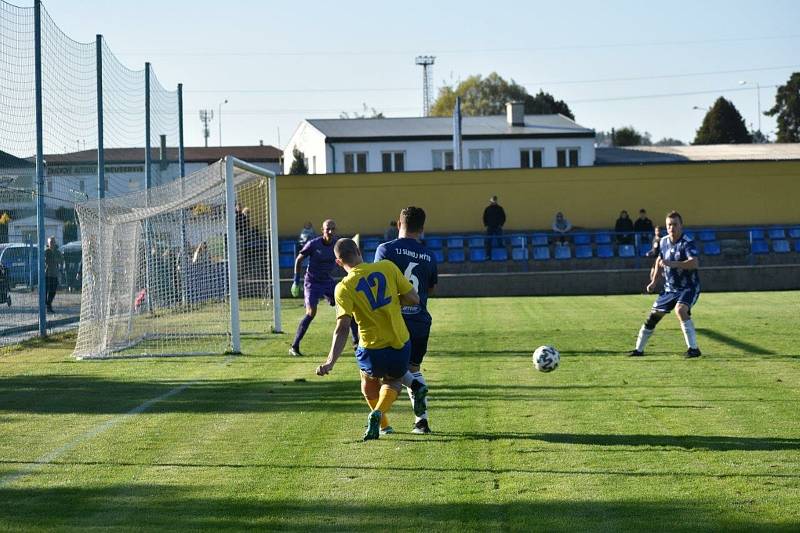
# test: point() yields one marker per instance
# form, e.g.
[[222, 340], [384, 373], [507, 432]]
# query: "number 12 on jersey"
[[380, 298]]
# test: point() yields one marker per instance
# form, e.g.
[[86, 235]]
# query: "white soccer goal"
[[184, 268]]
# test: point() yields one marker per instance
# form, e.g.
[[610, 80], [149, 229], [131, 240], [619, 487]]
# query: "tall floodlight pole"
[[206, 116], [426, 62], [758, 99], [219, 120]]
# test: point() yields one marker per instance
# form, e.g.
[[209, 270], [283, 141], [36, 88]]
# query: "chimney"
[[515, 113], [261, 142], [162, 152]]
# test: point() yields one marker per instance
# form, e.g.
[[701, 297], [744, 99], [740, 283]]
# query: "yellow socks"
[[386, 399]]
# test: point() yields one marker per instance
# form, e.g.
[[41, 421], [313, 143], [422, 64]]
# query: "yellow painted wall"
[[713, 194]]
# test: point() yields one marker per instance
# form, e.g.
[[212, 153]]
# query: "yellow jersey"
[[370, 294]]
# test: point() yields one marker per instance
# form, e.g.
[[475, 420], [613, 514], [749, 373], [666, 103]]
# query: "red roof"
[[192, 154]]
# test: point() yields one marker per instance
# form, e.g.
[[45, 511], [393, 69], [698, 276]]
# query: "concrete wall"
[[706, 194]]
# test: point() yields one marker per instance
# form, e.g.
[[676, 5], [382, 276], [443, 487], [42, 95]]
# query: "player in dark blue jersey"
[[677, 259], [418, 265]]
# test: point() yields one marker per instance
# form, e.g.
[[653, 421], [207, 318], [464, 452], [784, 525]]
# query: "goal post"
[[188, 267]]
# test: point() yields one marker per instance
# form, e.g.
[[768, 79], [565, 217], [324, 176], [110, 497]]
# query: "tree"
[[299, 163], [723, 124], [787, 107], [488, 96], [669, 141], [367, 112], [628, 136]]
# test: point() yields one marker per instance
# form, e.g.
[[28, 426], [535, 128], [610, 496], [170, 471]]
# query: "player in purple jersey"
[[677, 259], [318, 282], [418, 265]]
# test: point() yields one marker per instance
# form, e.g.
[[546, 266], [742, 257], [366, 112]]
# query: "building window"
[[313, 164], [49, 185], [82, 185], [355, 162], [443, 160], [567, 157], [530, 158], [393, 161], [480, 158]]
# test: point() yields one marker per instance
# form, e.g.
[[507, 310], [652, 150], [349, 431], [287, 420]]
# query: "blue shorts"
[[667, 301], [384, 362], [314, 291], [419, 331]]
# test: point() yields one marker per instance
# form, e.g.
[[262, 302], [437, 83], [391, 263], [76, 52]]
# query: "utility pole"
[[206, 116]]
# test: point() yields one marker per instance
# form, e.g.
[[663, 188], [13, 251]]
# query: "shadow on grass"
[[93, 395], [688, 442], [734, 342], [181, 508]]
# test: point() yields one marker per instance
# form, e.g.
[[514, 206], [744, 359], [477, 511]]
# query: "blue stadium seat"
[[627, 250], [476, 242], [519, 254], [433, 243], [602, 238], [756, 234], [708, 235], [499, 254], [519, 241], [776, 233], [582, 238], [759, 247], [541, 253], [439, 255], [711, 248], [539, 239], [287, 247], [797, 246], [781, 246], [369, 256], [794, 233], [455, 242], [563, 252], [605, 251], [583, 251], [644, 249], [455, 255], [286, 260], [477, 255], [689, 234], [370, 244]]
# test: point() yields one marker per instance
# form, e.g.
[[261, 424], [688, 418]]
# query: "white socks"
[[689, 334], [644, 336]]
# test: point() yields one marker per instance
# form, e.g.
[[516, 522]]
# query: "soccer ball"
[[546, 358]]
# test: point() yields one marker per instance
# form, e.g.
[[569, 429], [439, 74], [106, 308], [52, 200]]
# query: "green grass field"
[[257, 441]]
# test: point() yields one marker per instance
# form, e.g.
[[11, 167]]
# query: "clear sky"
[[615, 63]]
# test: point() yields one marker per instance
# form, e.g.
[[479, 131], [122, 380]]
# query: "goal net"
[[184, 268]]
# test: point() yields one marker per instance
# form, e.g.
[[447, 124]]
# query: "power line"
[[536, 83], [327, 53]]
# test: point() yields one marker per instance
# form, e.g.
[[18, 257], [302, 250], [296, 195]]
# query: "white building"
[[426, 143]]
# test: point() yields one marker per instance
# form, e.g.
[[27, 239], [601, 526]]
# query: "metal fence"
[[76, 124]]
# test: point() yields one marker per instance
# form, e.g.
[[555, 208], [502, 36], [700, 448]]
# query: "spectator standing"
[[391, 232], [494, 218], [53, 262], [306, 234], [643, 226], [561, 226], [624, 228]]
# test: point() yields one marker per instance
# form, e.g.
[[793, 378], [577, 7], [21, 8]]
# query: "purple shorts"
[[317, 290]]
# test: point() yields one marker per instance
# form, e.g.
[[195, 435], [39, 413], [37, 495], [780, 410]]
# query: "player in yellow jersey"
[[372, 294]]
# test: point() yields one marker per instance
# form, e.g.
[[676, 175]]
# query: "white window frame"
[[484, 156], [567, 150], [354, 156], [393, 160], [530, 152], [439, 159]]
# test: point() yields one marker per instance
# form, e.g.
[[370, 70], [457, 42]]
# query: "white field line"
[[51, 456]]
